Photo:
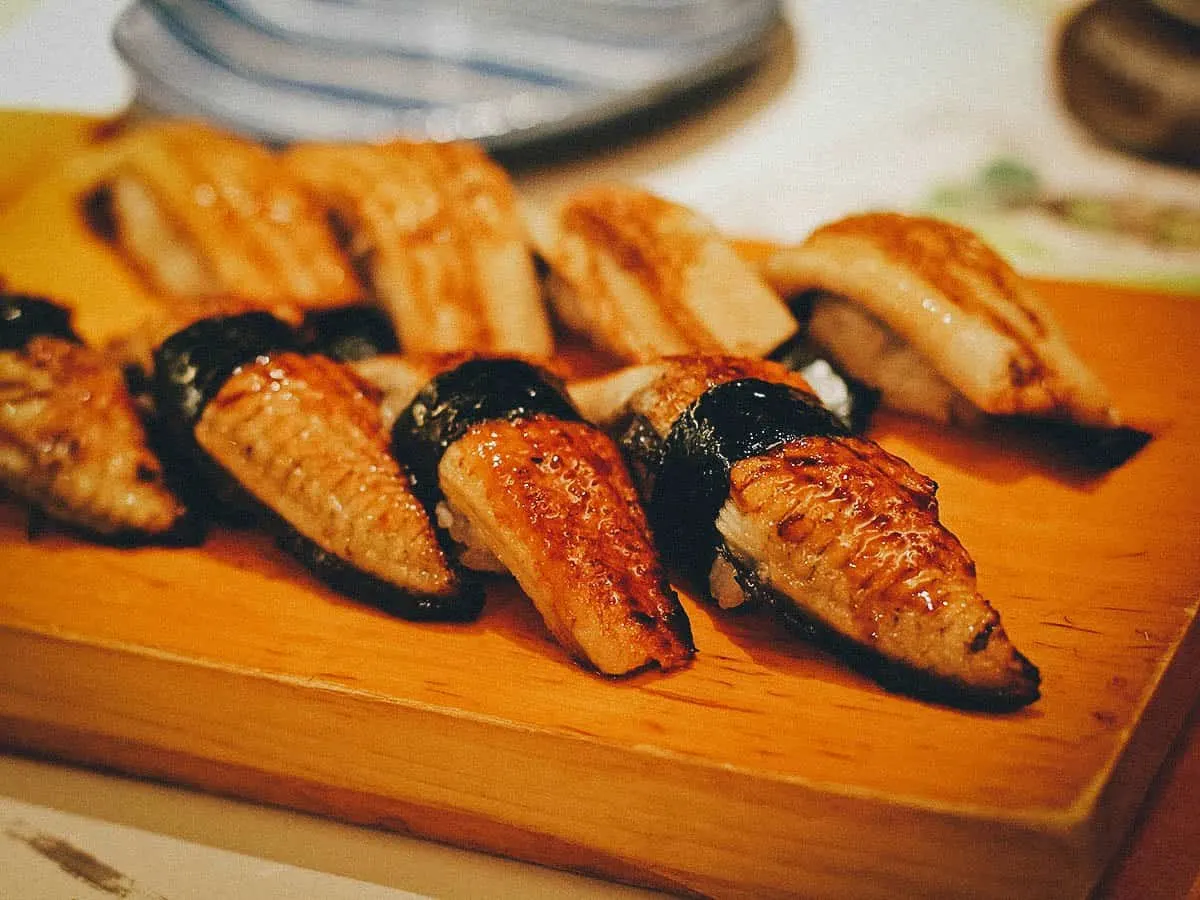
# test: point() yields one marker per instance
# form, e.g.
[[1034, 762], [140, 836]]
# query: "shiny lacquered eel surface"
[[301, 437], [524, 485], [199, 212], [761, 495], [435, 230], [71, 439], [939, 322], [642, 277]]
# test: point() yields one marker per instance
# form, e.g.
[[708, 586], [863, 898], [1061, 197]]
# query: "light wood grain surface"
[[767, 767]]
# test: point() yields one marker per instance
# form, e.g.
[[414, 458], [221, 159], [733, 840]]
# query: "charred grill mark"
[[96, 209], [940, 253], [247, 228], [628, 226], [429, 224], [980, 641]]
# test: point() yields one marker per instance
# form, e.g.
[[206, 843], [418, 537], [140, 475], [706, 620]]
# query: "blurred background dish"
[[504, 74], [1129, 70]]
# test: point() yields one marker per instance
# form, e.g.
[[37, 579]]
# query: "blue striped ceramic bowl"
[[503, 73]]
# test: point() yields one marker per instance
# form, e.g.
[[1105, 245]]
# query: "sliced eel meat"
[[201, 212], [436, 229], [643, 277], [927, 313], [302, 436], [758, 492], [71, 439], [525, 486]]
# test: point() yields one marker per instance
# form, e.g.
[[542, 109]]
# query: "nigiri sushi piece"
[[643, 277], [759, 493], [524, 486], [928, 314], [200, 212], [302, 436], [435, 227], [71, 440]]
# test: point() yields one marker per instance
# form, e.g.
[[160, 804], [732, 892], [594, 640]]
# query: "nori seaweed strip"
[[331, 569], [349, 333], [729, 422], [1092, 448], [479, 390], [190, 368], [23, 317], [191, 365]]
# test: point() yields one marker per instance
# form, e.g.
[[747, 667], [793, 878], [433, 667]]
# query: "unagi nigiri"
[[644, 277], [436, 228], [71, 440], [201, 212], [525, 486], [927, 313], [302, 437], [760, 493]]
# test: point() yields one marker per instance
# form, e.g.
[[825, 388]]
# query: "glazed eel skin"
[[302, 437], [508, 466], [758, 492], [71, 440]]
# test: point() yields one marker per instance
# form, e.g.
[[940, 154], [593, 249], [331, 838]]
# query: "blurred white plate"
[[503, 73]]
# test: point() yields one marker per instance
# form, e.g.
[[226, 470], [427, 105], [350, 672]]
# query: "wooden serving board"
[[767, 768]]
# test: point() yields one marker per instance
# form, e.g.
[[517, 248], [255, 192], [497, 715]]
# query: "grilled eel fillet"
[[643, 277], [527, 488], [302, 436], [436, 227], [942, 325], [553, 502], [833, 530], [201, 212], [71, 442]]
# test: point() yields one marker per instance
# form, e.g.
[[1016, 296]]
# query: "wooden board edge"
[[558, 800], [1107, 812]]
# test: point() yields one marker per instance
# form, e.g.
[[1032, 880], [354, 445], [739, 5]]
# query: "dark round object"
[[1129, 70], [350, 333], [24, 317]]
